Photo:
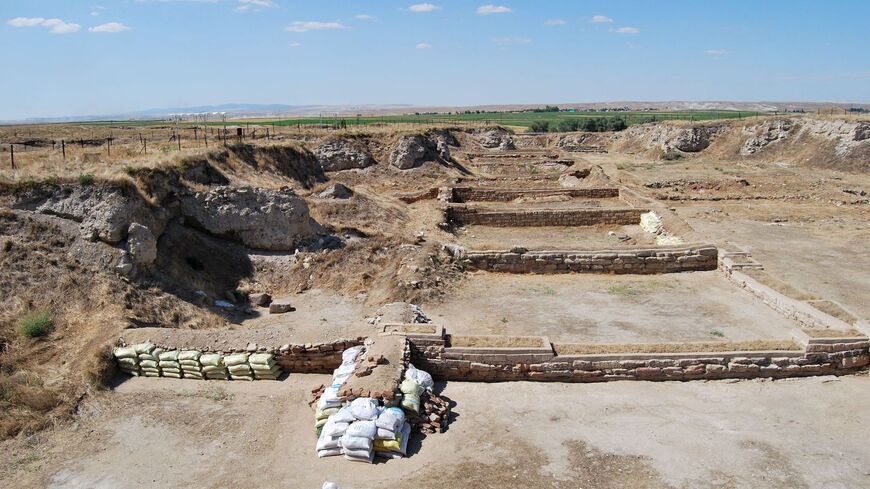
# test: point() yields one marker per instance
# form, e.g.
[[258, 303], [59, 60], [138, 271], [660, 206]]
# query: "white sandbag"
[[391, 419], [364, 408], [125, 352], [169, 364], [189, 355], [344, 415], [325, 413], [189, 363], [368, 460], [146, 347], [214, 368], [328, 453], [243, 369], [423, 378], [171, 355], [384, 434], [327, 442], [172, 374], [148, 363], [335, 428], [261, 358], [349, 355], [362, 429], [403, 445], [355, 443], [211, 359], [237, 359], [242, 377]]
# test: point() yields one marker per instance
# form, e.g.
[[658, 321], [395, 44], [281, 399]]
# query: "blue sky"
[[69, 57]]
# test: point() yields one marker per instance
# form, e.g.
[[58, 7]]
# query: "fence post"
[[12, 153], [108, 147], [63, 148]]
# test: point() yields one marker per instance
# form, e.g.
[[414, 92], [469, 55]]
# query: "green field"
[[520, 119]]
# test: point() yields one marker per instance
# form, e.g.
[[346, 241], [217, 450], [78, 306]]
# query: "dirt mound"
[[413, 150], [670, 137], [288, 162], [344, 153]]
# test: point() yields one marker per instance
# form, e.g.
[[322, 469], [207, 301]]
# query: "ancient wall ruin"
[[636, 261], [462, 214], [477, 194]]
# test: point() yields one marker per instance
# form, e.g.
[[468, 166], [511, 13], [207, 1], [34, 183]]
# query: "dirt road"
[[163, 432]]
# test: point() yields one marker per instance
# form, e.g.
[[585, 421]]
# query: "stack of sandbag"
[[213, 366], [394, 448], [264, 367], [238, 366], [411, 391], [423, 378], [169, 366], [128, 360], [190, 366], [357, 443], [391, 441], [149, 359], [329, 439]]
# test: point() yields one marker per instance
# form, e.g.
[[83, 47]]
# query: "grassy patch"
[[622, 289], [717, 333], [85, 178], [35, 324]]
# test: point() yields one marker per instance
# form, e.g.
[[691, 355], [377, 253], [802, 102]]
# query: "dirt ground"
[[166, 432], [554, 238], [698, 306]]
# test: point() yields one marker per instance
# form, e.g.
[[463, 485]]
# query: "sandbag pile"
[[328, 403], [427, 411], [168, 363], [190, 366], [362, 430], [213, 366], [391, 439], [149, 359], [264, 367], [238, 366], [128, 360]]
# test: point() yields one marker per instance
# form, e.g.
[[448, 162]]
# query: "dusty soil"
[[598, 348], [476, 237], [166, 432], [698, 306]]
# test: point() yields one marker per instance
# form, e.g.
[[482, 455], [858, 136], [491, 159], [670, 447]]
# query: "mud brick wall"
[[314, 358], [543, 217], [642, 261], [600, 368], [469, 194]]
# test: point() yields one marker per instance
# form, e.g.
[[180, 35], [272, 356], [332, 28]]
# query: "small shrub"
[[35, 324], [85, 178], [671, 156], [99, 367], [717, 333]]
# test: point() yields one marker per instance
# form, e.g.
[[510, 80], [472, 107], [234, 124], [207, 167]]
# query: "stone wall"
[[636, 261], [542, 217], [500, 365], [477, 194]]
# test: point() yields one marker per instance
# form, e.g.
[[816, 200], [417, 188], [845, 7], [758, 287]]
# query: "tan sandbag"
[[261, 359], [211, 359], [125, 352], [170, 355], [237, 359], [189, 363], [242, 377], [189, 355], [129, 362], [168, 364], [171, 374], [240, 369], [211, 368], [146, 347]]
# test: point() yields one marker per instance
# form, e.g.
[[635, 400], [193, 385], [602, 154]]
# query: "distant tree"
[[539, 126]]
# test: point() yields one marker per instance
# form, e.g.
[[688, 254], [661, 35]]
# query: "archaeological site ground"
[[447, 304]]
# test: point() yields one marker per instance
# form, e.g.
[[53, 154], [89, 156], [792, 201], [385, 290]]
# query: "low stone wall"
[[501, 365], [477, 194], [305, 358], [635, 261], [542, 217]]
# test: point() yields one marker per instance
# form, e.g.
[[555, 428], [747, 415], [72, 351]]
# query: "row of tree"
[[591, 124]]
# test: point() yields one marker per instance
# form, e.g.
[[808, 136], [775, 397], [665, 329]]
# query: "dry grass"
[[833, 309], [779, 285], [832, 333], [702, 347]]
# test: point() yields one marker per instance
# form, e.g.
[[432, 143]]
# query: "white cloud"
[[555, 22], [55, 26], [626, 30], [424, 45], [96, 10], [254, 5], [109, 28], [600, 19], [295, 45], [419, 8], [364, 17], [492, 9], [716, 52], [310, 25], [511, 41]]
